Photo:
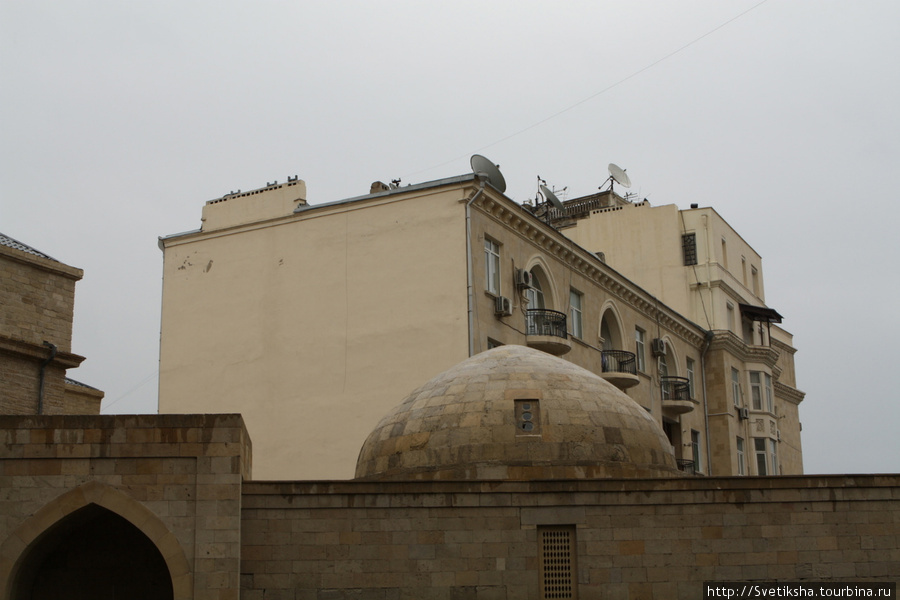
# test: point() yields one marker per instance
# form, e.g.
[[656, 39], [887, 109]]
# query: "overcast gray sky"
[[118, 120]]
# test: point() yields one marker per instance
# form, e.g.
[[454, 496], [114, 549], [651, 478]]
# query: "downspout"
[[469, 267], [53, 351], [706, 343]]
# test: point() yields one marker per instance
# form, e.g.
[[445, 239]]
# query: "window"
[[736, 387], [528, 417], [756, 390], [695, 450], [729, 309], [740, 457], [639, 336], [535, 293], [492, 266], [759, 445], [769, 405], [690, 376], [689, 248], [492, 343], [557, 556], [754, 276], [773, 456], [575, 313]]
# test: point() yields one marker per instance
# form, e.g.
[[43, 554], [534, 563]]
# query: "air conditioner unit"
[[524, 279], [502, 306], [658, 347], [744, 413]]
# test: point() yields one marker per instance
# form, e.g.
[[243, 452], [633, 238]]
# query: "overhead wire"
[[596, 94]]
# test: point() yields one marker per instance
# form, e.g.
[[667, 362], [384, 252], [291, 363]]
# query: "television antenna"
[[483, 166], [617, 175]]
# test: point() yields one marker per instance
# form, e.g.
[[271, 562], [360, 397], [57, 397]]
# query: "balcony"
[[686, 466], [676, 395], [619, 368], [546, 330]]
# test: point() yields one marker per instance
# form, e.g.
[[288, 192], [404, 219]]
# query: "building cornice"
[[587, 264], [46, 264], [729, 342], [786, 392], [30, 350]]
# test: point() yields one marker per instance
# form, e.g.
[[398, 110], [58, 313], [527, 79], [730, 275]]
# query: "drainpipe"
[[706, 343], [469, 267], [53, 351]]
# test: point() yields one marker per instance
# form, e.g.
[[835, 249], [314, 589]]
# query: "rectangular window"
[[575, 313], [769, 404], [639, 336], [557, 556], [695, 450], [736, 387], [689, 248], [740, 457], [690, 376], [756, 390], [759, 445], [773, 456], [492, 266]]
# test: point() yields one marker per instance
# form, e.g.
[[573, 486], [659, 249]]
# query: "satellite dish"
[[551, 197], [619, 176], [483, 166]]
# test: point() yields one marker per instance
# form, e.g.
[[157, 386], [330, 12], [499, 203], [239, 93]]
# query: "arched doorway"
[[93, 554]]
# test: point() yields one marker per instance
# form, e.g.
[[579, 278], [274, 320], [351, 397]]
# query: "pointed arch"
[[610, 314], [15, 549]]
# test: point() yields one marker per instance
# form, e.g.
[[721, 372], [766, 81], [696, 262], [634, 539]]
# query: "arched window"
[[535, 293]]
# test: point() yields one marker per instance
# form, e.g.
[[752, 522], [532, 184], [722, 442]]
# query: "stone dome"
[[515, 413]]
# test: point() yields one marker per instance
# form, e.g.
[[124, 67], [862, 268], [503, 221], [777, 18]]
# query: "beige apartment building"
[[313, 321]]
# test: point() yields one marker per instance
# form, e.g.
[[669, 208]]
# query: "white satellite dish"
[[551, 197], [483, 166], [619, 176]]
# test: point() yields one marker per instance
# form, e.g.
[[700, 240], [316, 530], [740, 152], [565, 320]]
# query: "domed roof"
[[516, 413]]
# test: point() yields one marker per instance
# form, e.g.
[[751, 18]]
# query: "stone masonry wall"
[[633, 539], [176, 477]]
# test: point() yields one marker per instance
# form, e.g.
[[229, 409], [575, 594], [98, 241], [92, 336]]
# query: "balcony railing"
[[540, 321], [675, 388], [686, 465], [618, 361]]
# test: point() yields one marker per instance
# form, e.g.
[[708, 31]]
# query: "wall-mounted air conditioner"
[[502, 306], [744, 413], [658, 347], [524, 279]]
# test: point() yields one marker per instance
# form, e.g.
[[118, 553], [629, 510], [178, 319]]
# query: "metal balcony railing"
[[675, 388], [618, 361], [685, 465], [540, 321]]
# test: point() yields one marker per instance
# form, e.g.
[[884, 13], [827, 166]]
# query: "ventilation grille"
[[557, 562]]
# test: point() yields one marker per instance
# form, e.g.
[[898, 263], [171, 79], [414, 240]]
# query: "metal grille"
[[689, 246], [557, 562]]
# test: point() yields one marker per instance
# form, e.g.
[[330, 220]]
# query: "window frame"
[[492, 266], [762, 459], [756, 391], [640, 337], [767, 385], [689, 368], [576, 315], [736, 386], [739, 444], [696, 455]]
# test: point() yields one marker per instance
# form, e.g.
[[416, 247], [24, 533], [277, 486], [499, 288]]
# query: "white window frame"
[[575, 313], [690, 376], [756, 393], [640, 337], [492, 266], [696, 454], [736, 386], [773, 455], [770, 406], [742, 470]]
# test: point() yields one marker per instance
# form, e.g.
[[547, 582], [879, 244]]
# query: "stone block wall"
[[632, 539], [176, 477]]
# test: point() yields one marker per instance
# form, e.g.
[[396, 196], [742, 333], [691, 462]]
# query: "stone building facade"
[[176, 494], [37, 296], [287, 312]]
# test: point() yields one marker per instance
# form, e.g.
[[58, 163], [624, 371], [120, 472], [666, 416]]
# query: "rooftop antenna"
[[483, 166], [542, 208], [617, 175]]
